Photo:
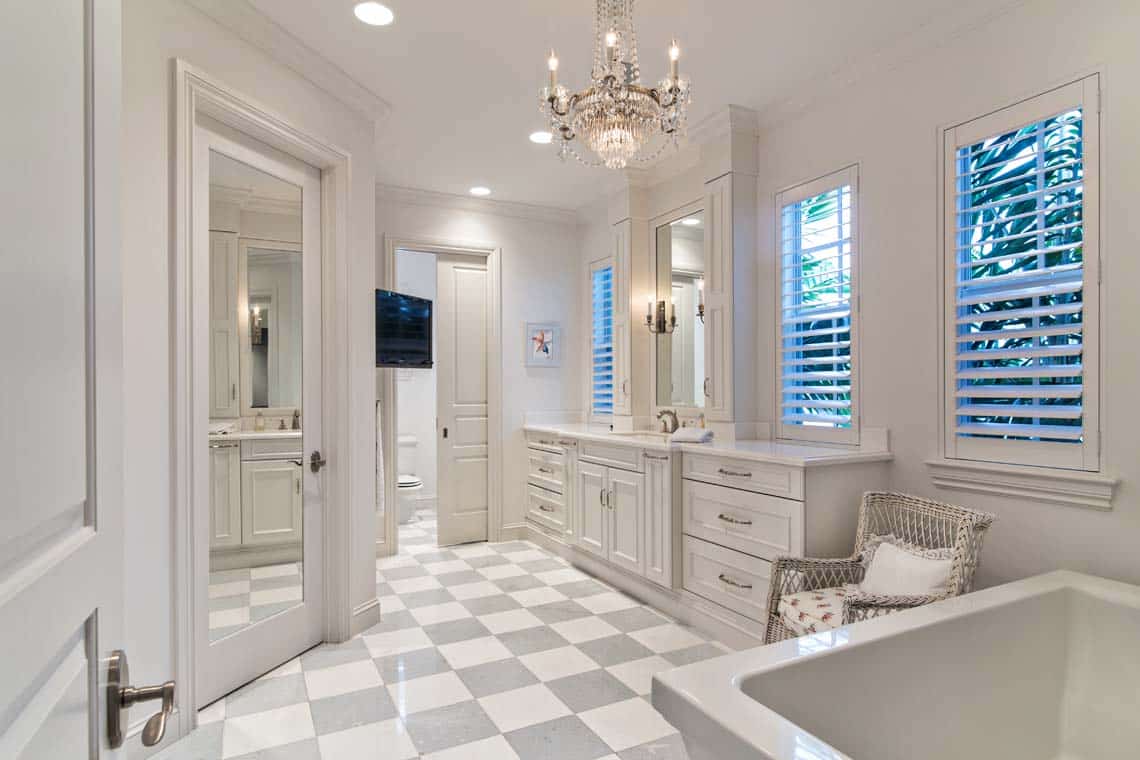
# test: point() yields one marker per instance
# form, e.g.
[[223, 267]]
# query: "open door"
[[61, 542]]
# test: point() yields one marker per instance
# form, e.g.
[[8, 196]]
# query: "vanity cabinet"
[[271, 502], [658, 530], [550, 464], [225, 495], [224, 355]]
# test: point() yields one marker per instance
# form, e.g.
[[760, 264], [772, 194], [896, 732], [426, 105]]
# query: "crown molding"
[[241, 18], [418, 197]]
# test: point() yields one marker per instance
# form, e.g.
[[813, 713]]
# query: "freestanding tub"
[[1047, 668]]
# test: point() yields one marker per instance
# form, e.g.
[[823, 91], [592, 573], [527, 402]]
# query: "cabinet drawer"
[[546, 508], [758, 524], [548, 442], [729, 578], [622, 457], [761, 477], [271, 448], [546, 470]]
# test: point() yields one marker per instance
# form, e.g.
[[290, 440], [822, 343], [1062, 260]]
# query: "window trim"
[[849, 175], [596, 265], [1087, 457]]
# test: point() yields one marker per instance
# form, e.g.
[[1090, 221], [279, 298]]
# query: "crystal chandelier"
[[616, 115]]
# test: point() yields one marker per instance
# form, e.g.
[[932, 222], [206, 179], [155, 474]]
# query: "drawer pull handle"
[[733, 520], [545, 508], [566, 443], [725, 579], [733, 473], [545, 471]]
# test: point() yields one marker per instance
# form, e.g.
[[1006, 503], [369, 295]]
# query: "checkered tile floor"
[[239, 598], [485, 652]]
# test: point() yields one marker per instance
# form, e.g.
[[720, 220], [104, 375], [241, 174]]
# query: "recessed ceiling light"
[[541, 137], [373, 13], [691, 221], [480, 191]]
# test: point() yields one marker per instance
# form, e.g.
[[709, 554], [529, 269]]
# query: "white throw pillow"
[[897, 572]]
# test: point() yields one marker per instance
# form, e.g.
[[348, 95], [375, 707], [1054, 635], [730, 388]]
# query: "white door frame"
[[197, 93], [493, 256]]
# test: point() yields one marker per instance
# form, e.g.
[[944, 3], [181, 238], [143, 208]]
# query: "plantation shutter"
[[602, 338], [817, 265], [1023, 305]]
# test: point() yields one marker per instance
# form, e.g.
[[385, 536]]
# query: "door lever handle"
[[121, 695]]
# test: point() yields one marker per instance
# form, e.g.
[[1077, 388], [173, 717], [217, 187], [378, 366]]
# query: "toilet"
[[408, 485]]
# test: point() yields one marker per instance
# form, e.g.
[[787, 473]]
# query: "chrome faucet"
[[669, 419]]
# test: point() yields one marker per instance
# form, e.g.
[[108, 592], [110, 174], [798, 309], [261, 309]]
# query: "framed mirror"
[[677, 313], [270, 299]]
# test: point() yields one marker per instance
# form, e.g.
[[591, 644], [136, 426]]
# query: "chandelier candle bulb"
[[552, 64], [674, 57]]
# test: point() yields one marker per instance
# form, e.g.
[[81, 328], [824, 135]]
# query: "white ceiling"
[[462, 76]]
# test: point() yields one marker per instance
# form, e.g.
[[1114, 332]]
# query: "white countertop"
[[782, 452], [254, 435]]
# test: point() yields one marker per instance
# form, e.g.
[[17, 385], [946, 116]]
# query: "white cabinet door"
[[592, 514], [225, 495], [622, 246], [223, 324], [659, 519], [627, 520], [270, 503], [718, 300]]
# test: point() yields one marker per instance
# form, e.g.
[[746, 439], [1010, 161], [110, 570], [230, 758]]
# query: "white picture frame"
[[542, 344]]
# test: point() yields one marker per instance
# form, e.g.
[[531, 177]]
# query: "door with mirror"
[[676, 314], [259, 575]]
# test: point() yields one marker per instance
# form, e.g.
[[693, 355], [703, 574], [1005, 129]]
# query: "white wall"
[[155, 32], [415, 388], [539, 283], [889, 125]]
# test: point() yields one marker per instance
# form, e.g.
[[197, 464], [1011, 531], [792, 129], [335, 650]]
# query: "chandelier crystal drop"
[[616, 116]]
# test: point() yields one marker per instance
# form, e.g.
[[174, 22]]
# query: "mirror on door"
[[255, 324], [680, 279]]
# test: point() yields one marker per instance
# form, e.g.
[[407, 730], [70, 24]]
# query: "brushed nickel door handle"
[[121, 695], [706, 387]]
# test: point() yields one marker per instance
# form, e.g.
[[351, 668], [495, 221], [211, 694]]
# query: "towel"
[[692, 435]]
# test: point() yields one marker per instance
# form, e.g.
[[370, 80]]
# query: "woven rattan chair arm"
[[866, 601]]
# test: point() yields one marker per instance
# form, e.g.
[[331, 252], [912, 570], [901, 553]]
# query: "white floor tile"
[[532, 597], [412, 585], [341, 679], [638, 674], [527, 555], [419, 548], [556, 577], [387, 739], [666, 638], [396, 560], [509, 620], [233, 588], [277, 595], [475, 550], [495, 748], [611, 601], [224, 618], [464, 654], [524, 707], [290, 668], [474, 590], [584, 629], [427, 693], [495, 572], [449, 566], [212, 713], [558, 663], [391, 603], [274, 571], [440, 613], [627, 724], [272, 728], [397, 642]]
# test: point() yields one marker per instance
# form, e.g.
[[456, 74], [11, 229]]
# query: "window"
[[1021, 259], [815, 362], [602, 338]]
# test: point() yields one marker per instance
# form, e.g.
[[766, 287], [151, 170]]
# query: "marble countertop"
[[254, 435], [792, 453]]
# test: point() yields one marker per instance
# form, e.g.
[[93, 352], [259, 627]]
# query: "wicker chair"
[[919, 522]]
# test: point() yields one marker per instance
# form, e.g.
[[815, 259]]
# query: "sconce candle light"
[[656, 320], [701, 301]]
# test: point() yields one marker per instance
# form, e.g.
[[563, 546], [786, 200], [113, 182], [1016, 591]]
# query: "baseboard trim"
[[364, 616], [722, 624], [514, 532]]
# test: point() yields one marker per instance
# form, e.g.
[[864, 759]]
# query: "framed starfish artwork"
[[543, 344]]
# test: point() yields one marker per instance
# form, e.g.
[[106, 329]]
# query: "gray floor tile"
[[266, 694], [531, 640], [280, 581], [488, 604], [229, 576], [433, 730], [418, 540], [203, 743], [668, 748], [563, 739], [633, 619], [327, 655], [404, 667], [217, 634], [353, 709], [693, 654], [614, 650], [455, 630], [459, 578], [402, 573], [578, 589], [428, 558], [489, 561], [392, 621], [262, 611], [556, 612], [511, 546], [495, 677], [424, 598], [585, 691], [229, 602], [383, 589], [302, 750], [518, 583], [541, 565]]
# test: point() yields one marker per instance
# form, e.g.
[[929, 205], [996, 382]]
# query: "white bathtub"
[[1047, 668]]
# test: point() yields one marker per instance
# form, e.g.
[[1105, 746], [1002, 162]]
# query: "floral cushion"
[[814, 611]]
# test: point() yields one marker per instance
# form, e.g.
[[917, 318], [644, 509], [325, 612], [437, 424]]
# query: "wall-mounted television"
[[403, 330]]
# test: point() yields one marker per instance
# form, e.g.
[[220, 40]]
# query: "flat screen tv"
[[403, 330]]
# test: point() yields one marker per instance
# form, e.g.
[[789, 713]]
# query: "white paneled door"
[[61, 521], [461, 328]]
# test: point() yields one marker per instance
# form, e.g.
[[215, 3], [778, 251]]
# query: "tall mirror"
[[678, 315]]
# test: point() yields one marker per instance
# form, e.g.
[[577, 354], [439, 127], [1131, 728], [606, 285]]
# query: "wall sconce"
[[656, 320], [701, 301]]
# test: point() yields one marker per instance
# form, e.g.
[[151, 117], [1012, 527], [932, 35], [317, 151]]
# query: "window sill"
[[1077, 489]]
